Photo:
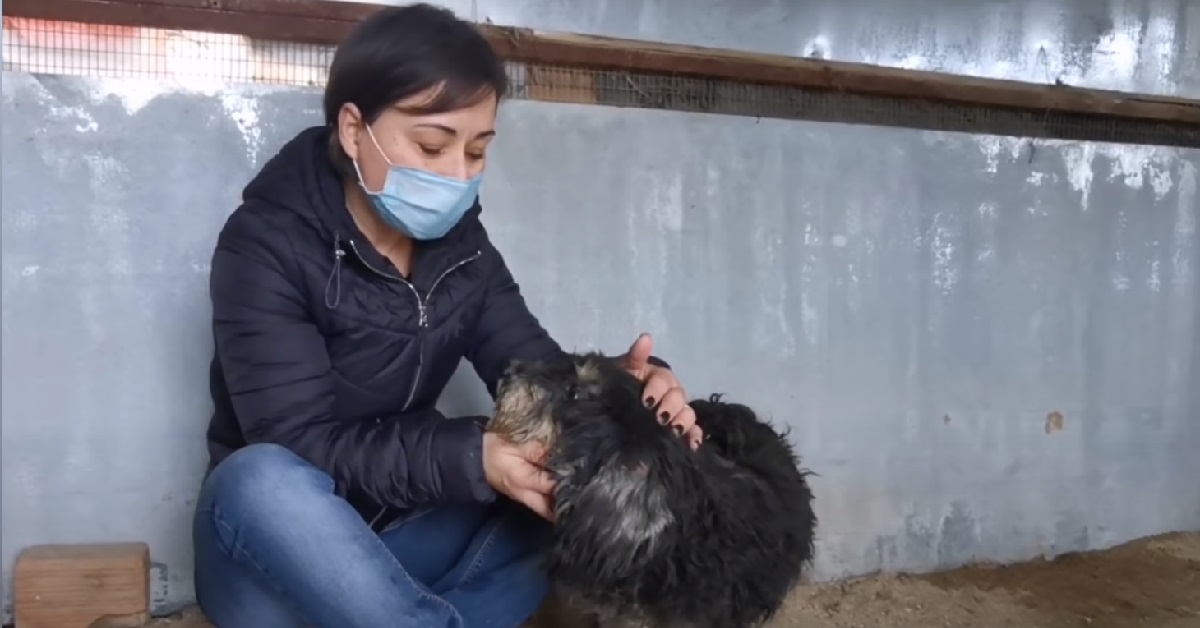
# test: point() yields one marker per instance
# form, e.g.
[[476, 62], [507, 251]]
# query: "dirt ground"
[[1152, 582]]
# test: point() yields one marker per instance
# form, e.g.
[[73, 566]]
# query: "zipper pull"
[[424, 318]]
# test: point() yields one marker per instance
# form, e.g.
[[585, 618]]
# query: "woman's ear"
[[349, 123]]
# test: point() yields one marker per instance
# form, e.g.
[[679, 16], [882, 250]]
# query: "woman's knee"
[[262, 479]]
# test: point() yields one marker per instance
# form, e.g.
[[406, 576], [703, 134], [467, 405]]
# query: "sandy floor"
[[1149, 583]]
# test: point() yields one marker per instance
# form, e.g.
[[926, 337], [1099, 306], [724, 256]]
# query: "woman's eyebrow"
[[451, 131]]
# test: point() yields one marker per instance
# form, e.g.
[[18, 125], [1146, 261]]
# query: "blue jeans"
[[276, 548]]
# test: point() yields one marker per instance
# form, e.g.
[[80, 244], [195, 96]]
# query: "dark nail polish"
[[678, 429], [649, 402], [663, 417]]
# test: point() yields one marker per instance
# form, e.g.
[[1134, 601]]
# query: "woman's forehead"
[[473, 120]]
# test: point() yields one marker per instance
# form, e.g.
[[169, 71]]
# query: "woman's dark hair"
[[401, 51]]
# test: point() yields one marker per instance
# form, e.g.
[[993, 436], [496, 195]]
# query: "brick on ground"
[[76, 586]]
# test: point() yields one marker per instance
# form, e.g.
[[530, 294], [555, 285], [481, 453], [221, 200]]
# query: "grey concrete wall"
[[917, 306]]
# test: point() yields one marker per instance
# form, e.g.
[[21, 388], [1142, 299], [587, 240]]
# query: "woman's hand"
[[515, 471], [662, 390]]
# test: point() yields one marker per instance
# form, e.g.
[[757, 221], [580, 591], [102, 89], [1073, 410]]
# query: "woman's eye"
[[432, 151], [475, 156]]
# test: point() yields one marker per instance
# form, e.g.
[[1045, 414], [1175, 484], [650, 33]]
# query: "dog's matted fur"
[[646, 530]]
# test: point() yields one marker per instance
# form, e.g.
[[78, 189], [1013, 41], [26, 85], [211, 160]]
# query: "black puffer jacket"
[[323, 348]]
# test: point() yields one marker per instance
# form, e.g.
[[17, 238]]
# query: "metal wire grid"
[[676, 93], [80, 49], [39, 46]]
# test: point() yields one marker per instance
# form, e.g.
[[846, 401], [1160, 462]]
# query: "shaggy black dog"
[[646, 530]]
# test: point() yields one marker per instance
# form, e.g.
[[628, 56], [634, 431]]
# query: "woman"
[[345, 289]]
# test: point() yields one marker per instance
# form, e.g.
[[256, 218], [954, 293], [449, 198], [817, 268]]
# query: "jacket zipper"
[[422, 311], [422, 323]]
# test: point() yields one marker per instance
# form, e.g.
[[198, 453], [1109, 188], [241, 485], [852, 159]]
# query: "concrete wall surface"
[[985, 346]]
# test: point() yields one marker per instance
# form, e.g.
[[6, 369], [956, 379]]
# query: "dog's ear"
[[588, 370], [590, 376]]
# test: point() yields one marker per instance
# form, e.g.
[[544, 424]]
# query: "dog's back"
[[758, 526]]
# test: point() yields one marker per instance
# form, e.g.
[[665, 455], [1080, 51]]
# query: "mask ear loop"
[[362, 182], [379, 148]]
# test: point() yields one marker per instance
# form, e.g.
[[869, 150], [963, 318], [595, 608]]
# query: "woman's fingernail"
[[678, 429], [649, 402], [663, 417]]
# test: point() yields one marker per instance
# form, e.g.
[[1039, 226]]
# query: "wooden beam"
[[319, 22]]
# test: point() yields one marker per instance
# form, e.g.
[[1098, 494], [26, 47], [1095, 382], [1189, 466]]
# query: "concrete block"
[[76, 586]]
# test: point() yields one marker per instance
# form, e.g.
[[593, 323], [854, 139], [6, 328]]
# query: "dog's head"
[[534, 397], [617, 471]]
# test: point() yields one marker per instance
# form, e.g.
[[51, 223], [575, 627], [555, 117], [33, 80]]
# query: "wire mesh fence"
[[676, 93], [82, 49], [73, 48]]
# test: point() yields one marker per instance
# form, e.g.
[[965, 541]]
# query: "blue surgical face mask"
[[421, 204]]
